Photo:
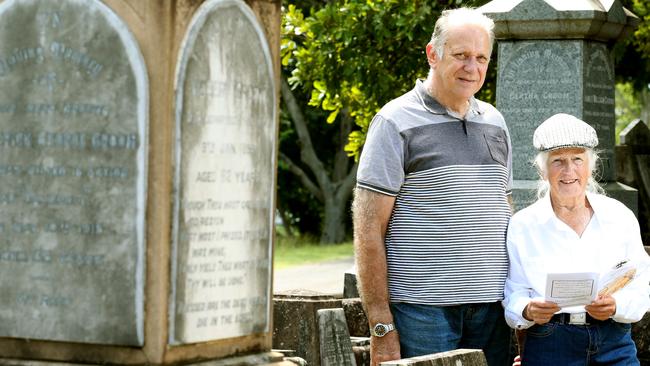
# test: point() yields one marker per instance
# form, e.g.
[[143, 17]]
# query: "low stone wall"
[[295, 322]]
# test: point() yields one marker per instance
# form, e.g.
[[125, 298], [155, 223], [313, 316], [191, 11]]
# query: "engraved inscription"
[[536, 80], [225, 181], [72, 188]]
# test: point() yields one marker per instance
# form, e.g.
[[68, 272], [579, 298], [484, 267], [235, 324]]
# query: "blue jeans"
[[603, 343], [426, 329]]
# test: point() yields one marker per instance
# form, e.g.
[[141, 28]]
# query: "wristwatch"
[[380, 329]]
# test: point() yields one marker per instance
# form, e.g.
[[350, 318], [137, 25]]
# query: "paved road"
[[325, 277]]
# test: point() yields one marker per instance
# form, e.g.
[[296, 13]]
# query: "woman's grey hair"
[[460, 16], [541, 163]]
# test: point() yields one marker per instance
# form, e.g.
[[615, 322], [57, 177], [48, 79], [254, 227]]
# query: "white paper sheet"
[[571, 289]]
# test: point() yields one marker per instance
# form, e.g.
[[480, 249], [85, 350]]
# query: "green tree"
[[346, 58], [632, 60]]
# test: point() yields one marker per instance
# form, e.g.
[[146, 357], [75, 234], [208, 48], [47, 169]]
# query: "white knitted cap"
[[564, 130]]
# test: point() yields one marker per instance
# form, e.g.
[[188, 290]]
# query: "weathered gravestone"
[[459, 357], [335, 344], [295, 322], [555, 57], [224, 181], [641, 337], [73, 137], [633, 168], [116, 111]]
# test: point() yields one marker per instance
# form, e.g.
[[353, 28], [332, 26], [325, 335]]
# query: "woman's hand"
[[602, 308], [539, 311]]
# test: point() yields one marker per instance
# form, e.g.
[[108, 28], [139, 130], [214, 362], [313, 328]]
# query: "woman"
[[572, 228]]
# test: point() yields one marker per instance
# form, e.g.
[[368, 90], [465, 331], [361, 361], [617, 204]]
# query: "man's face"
[[460, 73]]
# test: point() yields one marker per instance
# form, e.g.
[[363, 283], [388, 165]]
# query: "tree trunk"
[[334, 222], [331, 187]]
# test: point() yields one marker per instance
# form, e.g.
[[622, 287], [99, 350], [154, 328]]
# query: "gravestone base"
[[641, 336], [524, 193], [268, 358], [295, 322]]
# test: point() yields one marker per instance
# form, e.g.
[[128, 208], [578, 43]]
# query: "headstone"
[[637, 135], [356, 317], [554, 57], [225, 177], [641, 337], [73, 171], [633, 168], [350, 289], [464, 357], [295, 322], [92, 144], [335, 345], [360, 348]]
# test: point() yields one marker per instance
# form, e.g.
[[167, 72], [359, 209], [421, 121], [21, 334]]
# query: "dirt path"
[[325, 277]]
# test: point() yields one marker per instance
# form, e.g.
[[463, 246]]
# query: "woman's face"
[[568, 172]]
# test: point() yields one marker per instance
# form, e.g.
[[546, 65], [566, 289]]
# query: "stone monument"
[[74, 174], [335, 344], [554, 56], [138, 179]]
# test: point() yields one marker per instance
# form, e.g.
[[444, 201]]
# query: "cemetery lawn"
[[290, 252]]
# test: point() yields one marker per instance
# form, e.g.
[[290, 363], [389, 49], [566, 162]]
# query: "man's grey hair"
[[455, 17], [541, 163]]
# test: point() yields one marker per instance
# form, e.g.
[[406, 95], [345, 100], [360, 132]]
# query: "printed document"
[[572, 289]]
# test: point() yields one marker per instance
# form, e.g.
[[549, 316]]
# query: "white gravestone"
[[225, 177]]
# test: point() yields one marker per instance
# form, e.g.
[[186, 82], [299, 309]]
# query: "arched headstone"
[[225, 177], [73, 144]]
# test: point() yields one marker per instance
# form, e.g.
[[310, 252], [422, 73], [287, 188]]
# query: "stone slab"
[[224, 177], [636, 135], [356, 317], [335, 345], [73, 172], [350, 289], [641, 336], [361, 355], [538, 79], [268, 358], [295, 325], [539, 19], [465, 357]]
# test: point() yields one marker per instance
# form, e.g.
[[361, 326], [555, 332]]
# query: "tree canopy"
[[359, 54]]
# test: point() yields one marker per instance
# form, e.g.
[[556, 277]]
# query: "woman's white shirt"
[[539, 243]]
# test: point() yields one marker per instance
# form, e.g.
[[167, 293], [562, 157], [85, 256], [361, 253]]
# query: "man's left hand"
[[602, 308]]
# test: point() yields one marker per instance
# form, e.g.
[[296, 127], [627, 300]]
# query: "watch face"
[[380, 330]]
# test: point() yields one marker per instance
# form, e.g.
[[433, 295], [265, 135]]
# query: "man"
[[431, 206]]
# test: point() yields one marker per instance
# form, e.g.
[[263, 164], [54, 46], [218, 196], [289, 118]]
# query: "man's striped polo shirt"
[[445, 242]]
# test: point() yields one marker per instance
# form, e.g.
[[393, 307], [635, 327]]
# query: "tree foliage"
[[359, 54], [632, 55]]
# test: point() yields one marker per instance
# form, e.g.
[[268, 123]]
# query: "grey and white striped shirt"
[[445, 242]]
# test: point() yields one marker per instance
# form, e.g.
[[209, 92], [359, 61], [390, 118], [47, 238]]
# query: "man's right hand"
[[384, 348]]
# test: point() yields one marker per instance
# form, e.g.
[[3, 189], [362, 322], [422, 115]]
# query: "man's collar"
[[433, 106]]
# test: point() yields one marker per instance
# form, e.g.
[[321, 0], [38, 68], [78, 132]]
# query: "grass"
[[300, 250]]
